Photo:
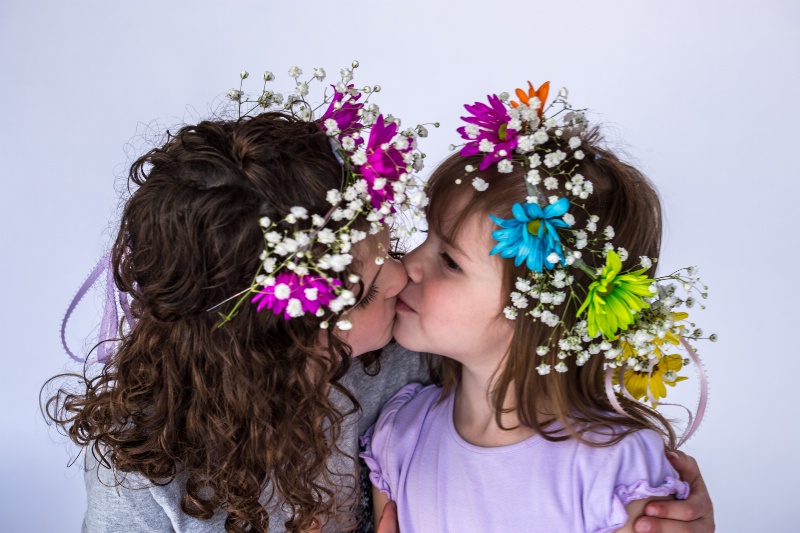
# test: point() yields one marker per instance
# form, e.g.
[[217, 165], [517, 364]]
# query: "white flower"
[[333, 197], [282, 291], [472, 131], [344, 324], [609, 232], [422, 131], [553, 159], [553, 258], [622, 253], [264, 222], [273, 237], [486, 145], [235, 94], [542, 350], [574, 142], [525, 143], [645, 261], [578, 155], [294, 307], [326, 236], [523, 285], [268, 76], [295, 72], [535, 160], [510, 313], [348, 143], [469, 168], [515, 124], [335, 262], [568, 218], [540, 137], [346, 74], [311, 294], [519, 300], [543, 369], [591, 226], [549, 318], [480, 184], [331, 126], [505, 166], [357, 235], [561, 367], [299, 212], [269, 265], [550, 183], [319, 73], [533, 177], [359, 158], [302, 88]]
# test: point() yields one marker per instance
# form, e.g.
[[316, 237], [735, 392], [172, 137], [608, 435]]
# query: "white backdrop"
[[703, 94]]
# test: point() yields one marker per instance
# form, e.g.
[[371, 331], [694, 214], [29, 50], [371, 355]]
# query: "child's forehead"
[[459, 221]]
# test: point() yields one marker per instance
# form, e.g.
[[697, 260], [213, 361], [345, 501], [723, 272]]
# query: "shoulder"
[[407, 410], [120, 502], [635, 468], [390, 443]]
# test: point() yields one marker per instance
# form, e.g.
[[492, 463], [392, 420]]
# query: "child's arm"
[[635, 509], [385, 516]]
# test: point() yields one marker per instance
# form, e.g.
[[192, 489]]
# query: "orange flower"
[[540, 93]]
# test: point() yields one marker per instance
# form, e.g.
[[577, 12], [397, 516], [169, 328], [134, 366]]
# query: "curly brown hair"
[[623, 198], [241, 409]]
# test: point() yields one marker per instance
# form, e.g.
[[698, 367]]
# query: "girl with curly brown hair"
[[251, 426]]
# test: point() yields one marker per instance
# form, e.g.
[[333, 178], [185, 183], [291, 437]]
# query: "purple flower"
[[492, 125], [346, 116], [295, 296], [385, 163]]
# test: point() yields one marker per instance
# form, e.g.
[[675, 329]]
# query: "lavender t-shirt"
[[443, 483]]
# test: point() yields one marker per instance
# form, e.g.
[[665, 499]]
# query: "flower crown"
[[634, 321], [301, 256]]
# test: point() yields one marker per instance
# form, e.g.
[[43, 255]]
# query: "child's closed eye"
[[368, 298], [449, 263]]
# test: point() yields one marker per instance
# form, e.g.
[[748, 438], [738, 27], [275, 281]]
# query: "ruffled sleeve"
[[633, 469], [385, 444]]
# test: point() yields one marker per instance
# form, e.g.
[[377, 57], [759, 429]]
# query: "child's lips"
[[403, 306]]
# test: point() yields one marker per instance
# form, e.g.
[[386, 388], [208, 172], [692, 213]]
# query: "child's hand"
[[388, 522], [693, 515]]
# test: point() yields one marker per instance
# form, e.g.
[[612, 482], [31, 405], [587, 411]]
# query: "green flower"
[[614, 300]]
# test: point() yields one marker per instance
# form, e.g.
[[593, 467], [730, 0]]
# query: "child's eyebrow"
[[452, 244]]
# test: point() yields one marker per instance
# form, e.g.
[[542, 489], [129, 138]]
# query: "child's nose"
[[398, 277], [411, 262]]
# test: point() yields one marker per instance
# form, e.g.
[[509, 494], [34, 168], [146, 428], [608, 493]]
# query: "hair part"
[[624, 199]]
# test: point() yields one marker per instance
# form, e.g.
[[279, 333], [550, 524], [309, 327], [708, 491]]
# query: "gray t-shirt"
[[139, 507]]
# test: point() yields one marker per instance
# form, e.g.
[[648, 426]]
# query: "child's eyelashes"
[[368, 298], [448, 262]]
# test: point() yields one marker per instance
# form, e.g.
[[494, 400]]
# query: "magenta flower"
[[384, 164], [492, 124], [295, 296], [346, 116]]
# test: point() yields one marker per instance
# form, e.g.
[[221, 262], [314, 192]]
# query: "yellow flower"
[[637, 383]]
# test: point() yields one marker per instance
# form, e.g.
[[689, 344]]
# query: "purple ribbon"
[[694, 418], [110, 321]]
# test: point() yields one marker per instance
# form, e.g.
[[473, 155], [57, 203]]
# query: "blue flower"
[[532, 234]]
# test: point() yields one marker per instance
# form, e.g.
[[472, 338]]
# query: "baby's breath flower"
[[479, 184]]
